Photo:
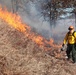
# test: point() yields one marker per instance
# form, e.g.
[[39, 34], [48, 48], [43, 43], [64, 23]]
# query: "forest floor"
[[21, 56]]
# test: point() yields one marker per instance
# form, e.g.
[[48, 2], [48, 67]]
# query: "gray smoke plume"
[[36, 14]]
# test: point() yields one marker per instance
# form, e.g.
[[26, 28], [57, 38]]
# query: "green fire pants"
[[71, 51]]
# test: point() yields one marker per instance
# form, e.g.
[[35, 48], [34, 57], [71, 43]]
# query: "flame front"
[[15, 21]]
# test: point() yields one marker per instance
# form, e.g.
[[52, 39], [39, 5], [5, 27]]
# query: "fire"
[[15, 21]]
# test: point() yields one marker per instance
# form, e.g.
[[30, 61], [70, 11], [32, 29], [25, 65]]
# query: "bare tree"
[[15, 5]]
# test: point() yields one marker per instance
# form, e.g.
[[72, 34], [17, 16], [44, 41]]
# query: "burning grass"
[[14, 21]]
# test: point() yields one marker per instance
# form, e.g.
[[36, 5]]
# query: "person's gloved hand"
[[62, 49], [63, 45]]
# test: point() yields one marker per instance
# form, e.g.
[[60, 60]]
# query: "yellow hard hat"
[[70, 28]]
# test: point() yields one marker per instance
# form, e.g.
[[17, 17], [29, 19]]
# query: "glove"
[[62, 49], [63, 45]]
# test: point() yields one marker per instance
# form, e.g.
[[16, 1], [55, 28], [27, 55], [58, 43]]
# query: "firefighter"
[[70, 40]]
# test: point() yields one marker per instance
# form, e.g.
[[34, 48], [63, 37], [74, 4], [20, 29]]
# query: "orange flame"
[[15, 21]]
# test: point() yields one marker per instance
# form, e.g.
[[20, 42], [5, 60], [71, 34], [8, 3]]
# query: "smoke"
[[35, 13], [6, 3], [61, 28]]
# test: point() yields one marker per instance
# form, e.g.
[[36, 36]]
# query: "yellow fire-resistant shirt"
[[70, 38]]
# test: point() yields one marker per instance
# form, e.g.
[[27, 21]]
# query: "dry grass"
[[21, 56]]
